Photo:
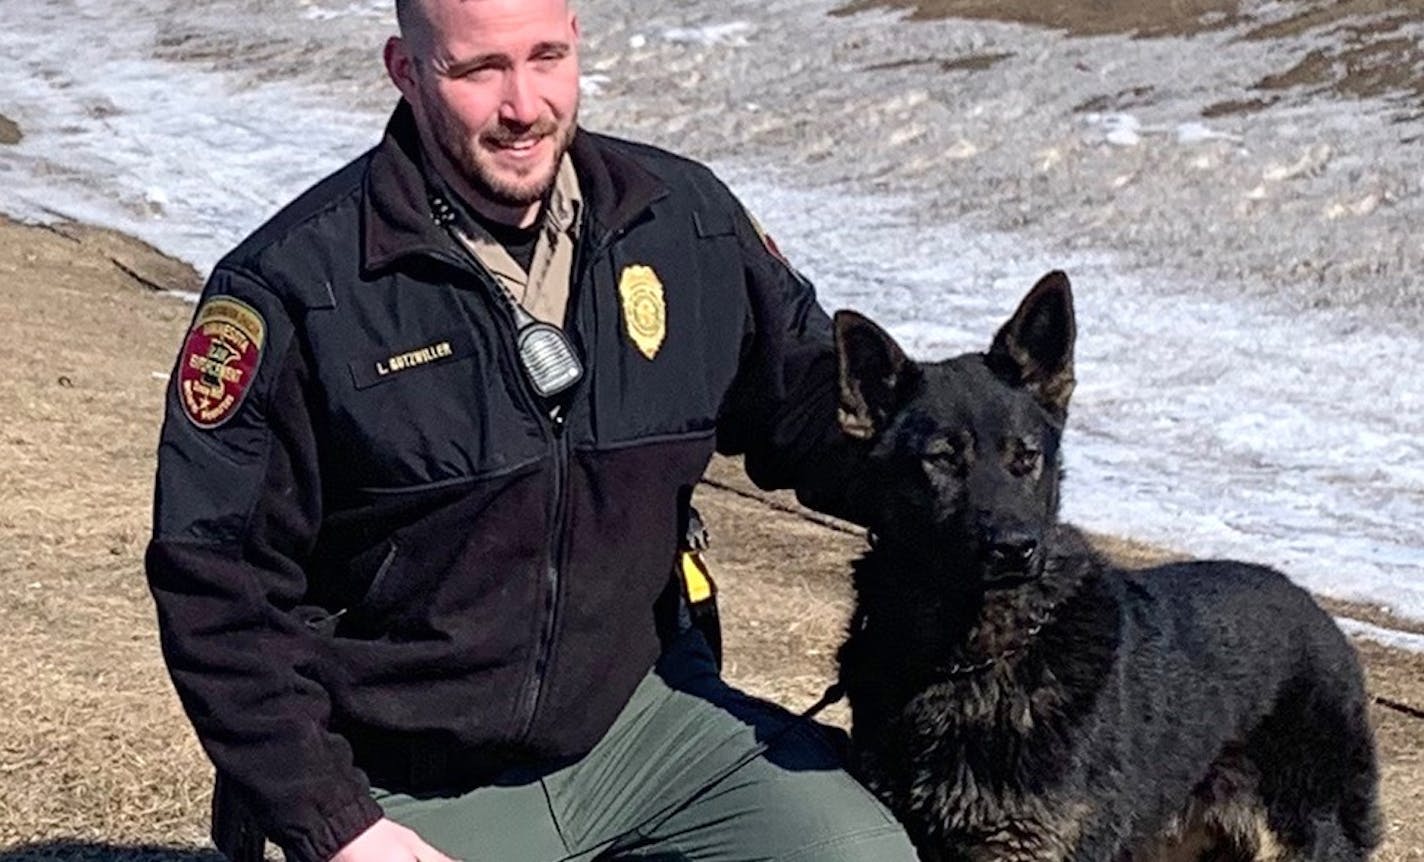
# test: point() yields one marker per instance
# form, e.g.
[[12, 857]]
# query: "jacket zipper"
[[552, 574], [552, 425], [380, 578], [556, 546]]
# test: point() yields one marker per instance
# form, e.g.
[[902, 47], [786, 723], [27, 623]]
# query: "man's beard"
[[463, 154]]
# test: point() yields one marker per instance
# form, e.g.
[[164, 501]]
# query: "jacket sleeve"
[[236, 511], [781, 412]]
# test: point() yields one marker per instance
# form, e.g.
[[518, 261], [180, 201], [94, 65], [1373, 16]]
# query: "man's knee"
[[838, 820], [824, 817], [820, 812], [885, 843]]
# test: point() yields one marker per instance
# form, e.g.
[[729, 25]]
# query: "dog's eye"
[[1026, 461], [942, 455]]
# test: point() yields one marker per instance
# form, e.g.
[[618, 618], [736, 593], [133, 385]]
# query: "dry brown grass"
[[96, 760], [92, 744]]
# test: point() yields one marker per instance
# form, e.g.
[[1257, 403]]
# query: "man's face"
[[495, 88]]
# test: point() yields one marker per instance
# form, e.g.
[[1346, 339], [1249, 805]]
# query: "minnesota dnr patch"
[[644, 309], [219, 360]]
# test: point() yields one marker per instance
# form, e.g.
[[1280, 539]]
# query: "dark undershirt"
[[520, 242]]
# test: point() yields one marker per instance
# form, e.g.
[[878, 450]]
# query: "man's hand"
[[388, 841]]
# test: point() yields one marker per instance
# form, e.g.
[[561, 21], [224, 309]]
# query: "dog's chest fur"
[[965, 742]]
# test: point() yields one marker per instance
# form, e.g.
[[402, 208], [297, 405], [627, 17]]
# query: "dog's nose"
[[1012, 549]]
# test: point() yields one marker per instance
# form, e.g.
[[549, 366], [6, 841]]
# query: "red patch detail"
[[775, 249], [219, 360], [770, 243]]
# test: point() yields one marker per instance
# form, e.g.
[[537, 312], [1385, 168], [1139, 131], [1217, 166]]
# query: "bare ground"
[[96, 760]]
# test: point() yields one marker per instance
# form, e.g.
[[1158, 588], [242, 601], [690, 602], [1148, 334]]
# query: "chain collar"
[[964, 670]]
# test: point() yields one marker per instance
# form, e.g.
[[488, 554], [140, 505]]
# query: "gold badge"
[[644, 309]]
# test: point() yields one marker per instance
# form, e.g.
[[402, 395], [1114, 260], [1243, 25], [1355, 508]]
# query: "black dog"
[[1015, 697]]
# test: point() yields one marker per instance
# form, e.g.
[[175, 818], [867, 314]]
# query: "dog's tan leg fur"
[[1236, 830], [1040, 838], [1244, 825], [1187, 839]]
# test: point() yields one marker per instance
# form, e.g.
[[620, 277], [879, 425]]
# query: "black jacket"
[[375, 558]]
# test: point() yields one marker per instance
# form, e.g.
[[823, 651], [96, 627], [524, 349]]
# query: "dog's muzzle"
[[1011, 556]]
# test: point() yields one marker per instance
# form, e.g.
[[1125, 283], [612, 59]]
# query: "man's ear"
[[876, 376], [1035, 348], [400, 67]]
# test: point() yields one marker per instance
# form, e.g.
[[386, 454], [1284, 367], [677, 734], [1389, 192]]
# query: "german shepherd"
[[1015, 697]]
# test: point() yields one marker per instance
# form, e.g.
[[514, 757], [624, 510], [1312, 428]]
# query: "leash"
[[804, 514], [644, 831]]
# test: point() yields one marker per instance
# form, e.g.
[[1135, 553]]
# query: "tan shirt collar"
[[544, 290]]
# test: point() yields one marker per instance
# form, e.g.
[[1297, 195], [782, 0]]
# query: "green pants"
[[643, 792]]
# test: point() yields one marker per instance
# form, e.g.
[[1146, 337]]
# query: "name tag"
[[389, 366]]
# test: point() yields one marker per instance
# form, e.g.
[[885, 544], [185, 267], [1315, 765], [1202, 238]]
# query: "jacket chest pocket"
[[423, 408], [385, 366], [669, 335]]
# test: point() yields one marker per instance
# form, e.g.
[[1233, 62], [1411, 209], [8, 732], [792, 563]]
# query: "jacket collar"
[[396, 217]]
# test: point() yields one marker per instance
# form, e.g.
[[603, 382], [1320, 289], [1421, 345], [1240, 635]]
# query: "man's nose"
[[521, 102]]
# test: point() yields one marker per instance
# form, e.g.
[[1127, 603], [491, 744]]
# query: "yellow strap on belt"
[[695, 578]]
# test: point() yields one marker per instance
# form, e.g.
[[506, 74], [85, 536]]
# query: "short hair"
[[410, 17], [406, 15], [414, 25]]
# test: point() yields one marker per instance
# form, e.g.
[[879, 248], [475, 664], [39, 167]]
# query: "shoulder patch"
[[767, 241], [219, 360], [775, 251]]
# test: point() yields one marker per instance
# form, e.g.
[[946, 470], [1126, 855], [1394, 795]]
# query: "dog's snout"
[[1010, 550], [1013, 547]]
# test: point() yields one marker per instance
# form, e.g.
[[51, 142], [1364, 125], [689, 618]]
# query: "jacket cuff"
[[338, 829]]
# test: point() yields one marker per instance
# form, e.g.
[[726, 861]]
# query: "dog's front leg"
[[1031, 839]]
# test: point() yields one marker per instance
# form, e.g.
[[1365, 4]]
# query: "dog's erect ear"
[[875, 375], [1035, 348]]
